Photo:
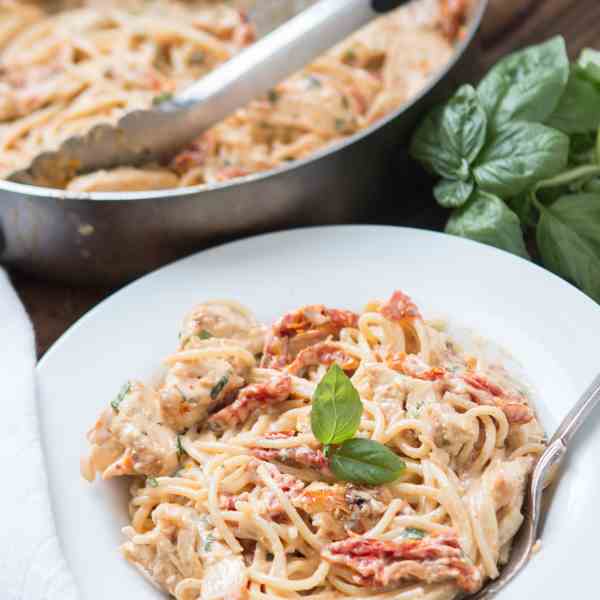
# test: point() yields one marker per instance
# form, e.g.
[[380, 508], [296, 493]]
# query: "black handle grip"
[[383, 6]]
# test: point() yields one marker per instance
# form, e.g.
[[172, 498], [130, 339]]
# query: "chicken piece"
[[300, 456], [497, 496], [129, 438], [451, 430], [302, 328], [225, 580], [223, 319], [379, 563], [483, 391], [191, 390], [366, 506], [505, 481], [415, 367], [182, 544], [378, 383], [253, 397], [200, 380]]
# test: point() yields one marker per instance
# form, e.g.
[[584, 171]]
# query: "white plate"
[[549, 327]]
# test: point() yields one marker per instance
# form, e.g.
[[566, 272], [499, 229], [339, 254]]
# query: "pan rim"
[[168, 194]]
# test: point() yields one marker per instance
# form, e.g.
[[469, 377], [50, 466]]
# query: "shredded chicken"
[[129, 438], [226, 320]]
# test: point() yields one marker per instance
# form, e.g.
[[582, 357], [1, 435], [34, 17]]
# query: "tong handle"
[[259, 68]]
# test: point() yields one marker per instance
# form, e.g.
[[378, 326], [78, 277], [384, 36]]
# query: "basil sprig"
[[336, 409], [519, 158], [335, 419], [365, 461]]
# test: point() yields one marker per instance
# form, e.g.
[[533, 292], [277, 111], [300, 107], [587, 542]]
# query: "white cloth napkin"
[[32, 566]]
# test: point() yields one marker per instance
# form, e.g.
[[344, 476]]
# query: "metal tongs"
[[146, 135]]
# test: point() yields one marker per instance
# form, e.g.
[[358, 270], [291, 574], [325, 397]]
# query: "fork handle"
[[578, 414]]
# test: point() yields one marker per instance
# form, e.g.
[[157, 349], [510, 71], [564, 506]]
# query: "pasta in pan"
[[63, 73], [234, 497]]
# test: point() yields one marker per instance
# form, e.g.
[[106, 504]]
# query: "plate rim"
[[55, 347]]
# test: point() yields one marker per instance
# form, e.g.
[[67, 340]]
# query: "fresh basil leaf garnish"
[[451, 137], [524, 209], [568, 237], [589, 61], [518, 155], [579, 108], [452, 194], [336, 408], [584, 149], [412, 533], [366, 462], [487, 219], [526, 85], [121, 396]]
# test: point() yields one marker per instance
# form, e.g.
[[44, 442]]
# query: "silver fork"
[[549, 460]]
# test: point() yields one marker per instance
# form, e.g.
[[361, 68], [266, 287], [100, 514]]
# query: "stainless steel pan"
[[113, 237]]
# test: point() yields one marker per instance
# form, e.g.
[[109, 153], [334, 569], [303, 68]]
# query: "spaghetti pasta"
[[232, 496], [62, 73]]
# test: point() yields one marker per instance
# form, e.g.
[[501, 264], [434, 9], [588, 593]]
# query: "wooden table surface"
[[509, 24]]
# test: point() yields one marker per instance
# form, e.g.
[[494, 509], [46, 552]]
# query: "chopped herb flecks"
[[208, 542], [273, 96], [180, 450], [152, 482], [313, 82], [197, 57], [219, 386], [162, 98], [349, 56], [124, 391], [412, 533], [205, 335]]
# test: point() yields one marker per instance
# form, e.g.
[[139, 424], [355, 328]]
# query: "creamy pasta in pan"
[[62, 73], [233, 496]]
